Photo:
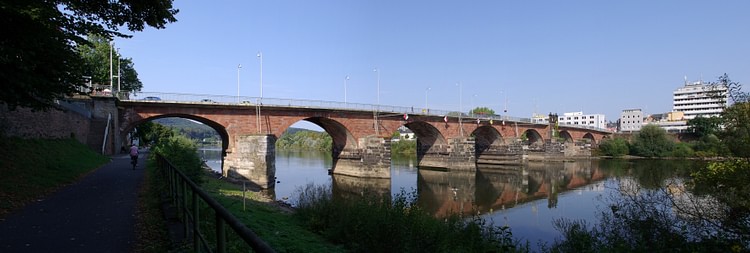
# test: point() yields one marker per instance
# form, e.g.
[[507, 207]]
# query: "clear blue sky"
[[546, 56]]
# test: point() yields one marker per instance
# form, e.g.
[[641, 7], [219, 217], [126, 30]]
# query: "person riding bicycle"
[[134, 153]]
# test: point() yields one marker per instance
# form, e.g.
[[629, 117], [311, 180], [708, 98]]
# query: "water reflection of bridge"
[[484, 190]]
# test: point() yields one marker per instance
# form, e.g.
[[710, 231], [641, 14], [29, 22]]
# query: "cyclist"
[[134, 155]]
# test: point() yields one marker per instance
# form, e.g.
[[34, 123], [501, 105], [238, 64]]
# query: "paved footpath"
[[96, 214]]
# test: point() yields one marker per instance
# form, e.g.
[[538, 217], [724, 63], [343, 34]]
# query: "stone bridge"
[[361, 138]]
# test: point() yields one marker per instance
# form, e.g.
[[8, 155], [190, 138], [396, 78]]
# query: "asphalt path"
[[96, 214]]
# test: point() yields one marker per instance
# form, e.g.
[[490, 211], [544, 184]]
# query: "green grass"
[[279, 228], [33, 168]]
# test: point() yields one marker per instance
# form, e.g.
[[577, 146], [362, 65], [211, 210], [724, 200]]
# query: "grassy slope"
[[32, 168]]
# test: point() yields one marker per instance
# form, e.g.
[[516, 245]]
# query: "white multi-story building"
[[631, 120], [578, 118], [700, 98]]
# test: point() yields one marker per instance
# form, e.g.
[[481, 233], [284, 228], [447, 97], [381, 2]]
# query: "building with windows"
[[578, 118], [700, 99], [631, 120]]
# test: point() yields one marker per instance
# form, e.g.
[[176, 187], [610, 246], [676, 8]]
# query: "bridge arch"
[[533, 137], [486, 136], [220, 129], [590, 137], [341, 136], [566, 137], [427, 134]]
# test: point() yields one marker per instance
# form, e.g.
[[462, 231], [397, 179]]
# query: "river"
[[526, 198]]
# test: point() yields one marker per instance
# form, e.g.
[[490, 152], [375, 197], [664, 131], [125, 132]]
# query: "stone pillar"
[[372, 159], [253, 159], [458, 154]]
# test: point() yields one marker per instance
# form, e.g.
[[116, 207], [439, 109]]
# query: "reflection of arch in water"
[[566, 137], [485, 137], [533, 137]]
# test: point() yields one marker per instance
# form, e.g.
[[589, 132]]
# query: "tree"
[[736, 132], [733, 89], [651, 141], [38, 58], [96, 64], [482, 111], [702, 126], [614, 147]]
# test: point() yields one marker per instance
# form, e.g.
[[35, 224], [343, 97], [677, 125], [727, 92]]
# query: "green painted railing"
[[188, 198]]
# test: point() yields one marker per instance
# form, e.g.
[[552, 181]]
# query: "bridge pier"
[[372, 159], [458, 154], [252, 158]]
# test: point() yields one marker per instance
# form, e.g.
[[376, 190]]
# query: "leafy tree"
[[183, 154], [709, 146], [305, 140], [482, 111], [96, 64], [736, 133], [38, 58], [702, 126], [651, 141], [614, 147], [733, 89], [150, 132]]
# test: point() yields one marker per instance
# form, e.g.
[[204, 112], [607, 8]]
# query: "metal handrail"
[[179, 186]]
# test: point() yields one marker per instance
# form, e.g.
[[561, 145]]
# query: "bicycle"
[[134, 161]]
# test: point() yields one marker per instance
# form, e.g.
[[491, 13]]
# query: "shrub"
[[682, 150], [183, 154], [614, 147], [651, 141]]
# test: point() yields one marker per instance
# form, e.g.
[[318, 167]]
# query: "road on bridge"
[[96, 214]]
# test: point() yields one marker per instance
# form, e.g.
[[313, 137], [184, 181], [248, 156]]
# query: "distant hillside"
[[189, 128], [304, 139]]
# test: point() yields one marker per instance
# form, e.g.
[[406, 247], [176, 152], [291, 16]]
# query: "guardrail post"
[[221, 235], [196, 228], [183, 198]]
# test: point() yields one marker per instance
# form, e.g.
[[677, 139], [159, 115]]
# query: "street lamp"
[[425, 97], [239, 66], [460, 107], [260, 56], [378, 74], [472, 108], [345, 80]]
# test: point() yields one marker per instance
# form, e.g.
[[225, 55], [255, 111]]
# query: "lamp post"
[[119, 71], [472, 107], [345, 80], [239, 66], [378, 74], [425, 97], [260, 56], [460, 107]]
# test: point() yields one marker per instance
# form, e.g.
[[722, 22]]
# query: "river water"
[[527, 198]]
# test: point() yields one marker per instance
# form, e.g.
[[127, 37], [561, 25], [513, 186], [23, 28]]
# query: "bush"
[[613, 147], [183, 154], [682, 149], [651, 141]]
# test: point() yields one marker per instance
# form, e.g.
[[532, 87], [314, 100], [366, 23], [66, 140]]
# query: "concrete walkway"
[[96, 214]]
